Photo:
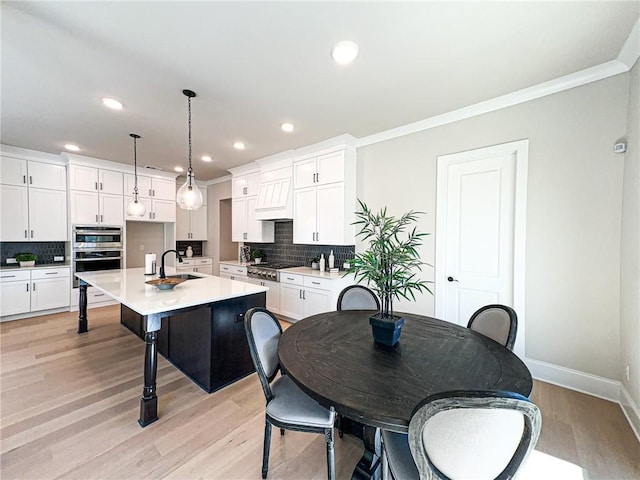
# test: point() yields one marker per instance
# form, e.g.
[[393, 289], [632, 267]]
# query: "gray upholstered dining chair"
[[358, 297], [464, 434], [498, 322], [288, 407]]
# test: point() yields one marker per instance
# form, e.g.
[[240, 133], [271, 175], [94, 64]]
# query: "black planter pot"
[[386, 330]]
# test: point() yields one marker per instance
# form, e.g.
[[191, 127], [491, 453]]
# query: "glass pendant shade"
[[189, 196], [135, 208]]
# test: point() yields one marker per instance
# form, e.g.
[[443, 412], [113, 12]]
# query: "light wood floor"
[[70, 404]]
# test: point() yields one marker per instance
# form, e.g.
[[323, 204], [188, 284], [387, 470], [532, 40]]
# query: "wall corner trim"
[[577, 79], [631, 411]]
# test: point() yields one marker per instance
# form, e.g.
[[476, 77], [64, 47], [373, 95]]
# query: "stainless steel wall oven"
[[95, 249]]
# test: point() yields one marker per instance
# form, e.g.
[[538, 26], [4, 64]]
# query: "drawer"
[[292, 278], [96, 296], [239, 271], [204, 261], [50, 273], [318, 282], [15, 276], [226, 268], [186, 263]]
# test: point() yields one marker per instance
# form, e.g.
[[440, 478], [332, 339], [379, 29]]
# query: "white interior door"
[[480, 232]]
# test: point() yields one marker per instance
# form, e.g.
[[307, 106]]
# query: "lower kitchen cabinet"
[[24, 291], [273, 295], [200, 265]]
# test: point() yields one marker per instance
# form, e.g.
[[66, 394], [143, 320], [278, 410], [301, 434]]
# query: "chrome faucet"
[[162, 275]]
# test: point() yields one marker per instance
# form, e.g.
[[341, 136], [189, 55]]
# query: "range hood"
[[275, 193]]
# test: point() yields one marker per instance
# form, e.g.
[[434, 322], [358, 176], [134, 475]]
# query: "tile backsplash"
[[283, 249], [45, 251], [196, 246]]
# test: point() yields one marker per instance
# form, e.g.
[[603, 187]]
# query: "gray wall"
[[574, 203], [150, 235], [630, 247], [216, 234]]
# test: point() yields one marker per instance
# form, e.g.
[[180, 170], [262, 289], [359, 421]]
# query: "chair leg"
[[265, 451], [331, 461]]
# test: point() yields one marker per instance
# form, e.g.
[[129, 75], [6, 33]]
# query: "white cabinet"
[[156, 210], [192, 224], [95, 196], [92, 208], [244, 225], [305, 295], [24, 291], [234, 272], [15, 292], [91, 179], [50, 288], [273, 294], [199, 264], [324, 198], [29, 212], [151, 187]]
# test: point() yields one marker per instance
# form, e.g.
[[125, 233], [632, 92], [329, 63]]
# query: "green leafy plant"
[[26, 257], [257, 254], [389, 264]]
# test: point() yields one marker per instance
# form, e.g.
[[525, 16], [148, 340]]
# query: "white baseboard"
[[575, 380], [631, 411]]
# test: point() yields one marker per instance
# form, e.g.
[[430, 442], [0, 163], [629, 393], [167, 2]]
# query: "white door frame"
[[520, 149]]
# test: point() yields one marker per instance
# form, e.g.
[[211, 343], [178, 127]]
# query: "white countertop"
[[236, 263], [35, 267], [309, 272], [128, 287]]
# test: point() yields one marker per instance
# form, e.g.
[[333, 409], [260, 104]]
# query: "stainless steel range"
[[268, 271]]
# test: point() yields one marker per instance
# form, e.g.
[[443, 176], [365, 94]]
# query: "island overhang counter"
[[128, 287]]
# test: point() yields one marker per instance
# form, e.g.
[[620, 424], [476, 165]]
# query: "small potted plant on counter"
[[257, 256], [26, 259], [389, 266]]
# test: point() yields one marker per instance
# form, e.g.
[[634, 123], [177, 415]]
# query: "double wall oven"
[[96, 248]]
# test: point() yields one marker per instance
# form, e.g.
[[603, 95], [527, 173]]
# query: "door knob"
[[451, 279]]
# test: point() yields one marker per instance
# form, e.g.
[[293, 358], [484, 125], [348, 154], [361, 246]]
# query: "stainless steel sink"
[[185, 276]]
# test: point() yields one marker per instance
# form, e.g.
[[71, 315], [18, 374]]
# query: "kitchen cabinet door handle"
[[101, 218], [7, 276], [24, 179], [31, 233], [300, 294], [30, 180], [34, 287], [100, 185], [27, 286], [99, 295], [316, 283], [149, 192], [51, 273], [304, 295], [26, 235], [96, 185], [96, 218], [153, 192]]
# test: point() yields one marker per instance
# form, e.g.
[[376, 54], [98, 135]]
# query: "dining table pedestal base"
[[369, 466]]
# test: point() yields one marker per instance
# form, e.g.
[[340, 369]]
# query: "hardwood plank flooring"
[[69, 405]]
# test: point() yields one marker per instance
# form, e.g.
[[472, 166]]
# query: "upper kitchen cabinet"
[[151, 187], [245, 227], [192, 224], [324, 197], [33, 200], [91, 179]]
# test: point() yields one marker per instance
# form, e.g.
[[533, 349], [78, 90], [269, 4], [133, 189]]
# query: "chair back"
[[473, 434], [498, 322], [263, 334], [358, 297]]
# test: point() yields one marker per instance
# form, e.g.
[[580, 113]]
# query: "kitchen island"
[[204, 300]]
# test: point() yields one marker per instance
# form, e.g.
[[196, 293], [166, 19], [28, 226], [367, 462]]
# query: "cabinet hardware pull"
[[316, 283], [96, 185], [27, 286], [25, 234], [153, 192], [24, 179], [7, 276], [99, 295], [149, 192], [317, 178], [300, 294], [101, 218], [100, 185], [34, 286], [304, 295], [51, 273], [96, 218], [31, 233], [30, 180]]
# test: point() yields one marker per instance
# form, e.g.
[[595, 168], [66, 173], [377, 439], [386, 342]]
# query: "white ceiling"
[[255, 65]]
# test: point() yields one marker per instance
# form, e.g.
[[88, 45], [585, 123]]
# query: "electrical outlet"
[[58, 258], [627, 373], [141, 247]]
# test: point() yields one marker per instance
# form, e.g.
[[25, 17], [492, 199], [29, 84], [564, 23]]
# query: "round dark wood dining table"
[[333, 358]]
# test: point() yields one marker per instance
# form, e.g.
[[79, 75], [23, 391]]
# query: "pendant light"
[[189, 196], [135, 208]]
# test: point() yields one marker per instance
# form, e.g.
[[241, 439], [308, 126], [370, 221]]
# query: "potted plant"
[[26, 259], [257, 256], [315, 263], [388, 265]]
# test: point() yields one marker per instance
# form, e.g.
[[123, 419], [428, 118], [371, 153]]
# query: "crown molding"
[[577, 79], [630, 51]]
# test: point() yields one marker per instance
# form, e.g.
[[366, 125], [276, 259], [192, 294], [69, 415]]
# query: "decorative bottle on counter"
[[189, 251], [322, 262], [331, 260]]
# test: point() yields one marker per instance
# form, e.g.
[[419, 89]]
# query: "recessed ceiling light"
[[179, 169], [345, 52], [206, 158], [239, 146], [71, 147], [287, 127], [112, 103]]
